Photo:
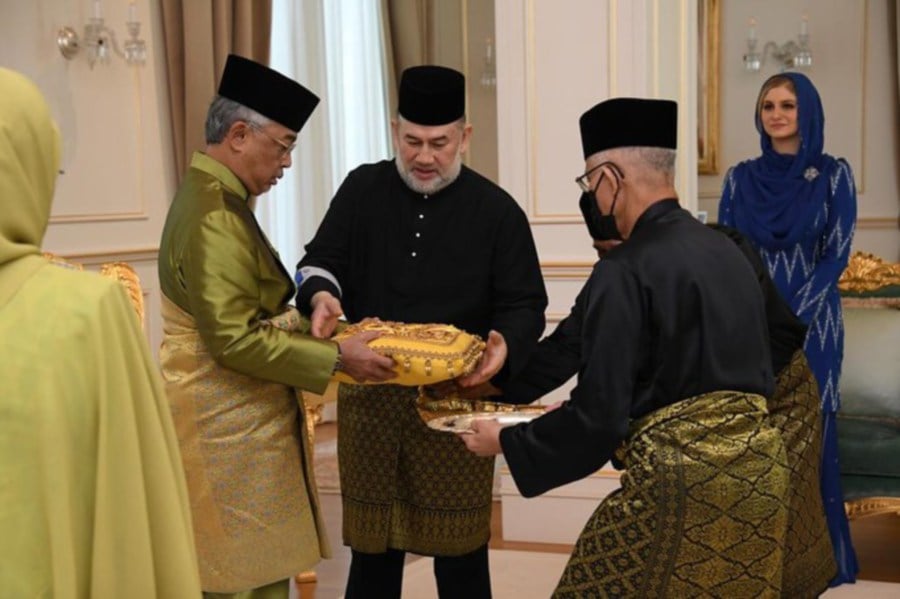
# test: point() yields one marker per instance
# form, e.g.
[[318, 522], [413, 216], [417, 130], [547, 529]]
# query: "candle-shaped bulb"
[[804, 25], [98, 13], [132, 13], [751, 32]]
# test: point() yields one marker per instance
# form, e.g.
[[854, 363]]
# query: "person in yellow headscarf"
[[93, 501]]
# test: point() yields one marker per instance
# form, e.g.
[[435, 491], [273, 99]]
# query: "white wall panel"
[[557, 59], [117, 156], [854, 69]]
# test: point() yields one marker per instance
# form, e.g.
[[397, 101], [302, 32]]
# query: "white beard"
[[434, 185]]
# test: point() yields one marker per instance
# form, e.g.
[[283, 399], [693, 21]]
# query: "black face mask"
[[602, 227]]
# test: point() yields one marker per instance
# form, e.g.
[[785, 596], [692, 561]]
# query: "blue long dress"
[[799, 211]]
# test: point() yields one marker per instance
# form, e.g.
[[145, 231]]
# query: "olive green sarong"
[[404, 485], [702, 510]]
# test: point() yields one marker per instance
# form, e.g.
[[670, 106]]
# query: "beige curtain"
[[407, 34], [199, 35]]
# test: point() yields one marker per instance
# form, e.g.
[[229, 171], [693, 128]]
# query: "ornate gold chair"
[[120, 271], [869, 419]]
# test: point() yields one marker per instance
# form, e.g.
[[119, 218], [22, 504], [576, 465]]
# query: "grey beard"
[[432, 186]]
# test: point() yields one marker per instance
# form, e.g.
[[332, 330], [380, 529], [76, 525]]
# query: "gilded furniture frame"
[[708, 88], [870, 283]]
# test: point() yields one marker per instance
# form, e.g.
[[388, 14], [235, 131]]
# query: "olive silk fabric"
[[229, 378], [93, 500]]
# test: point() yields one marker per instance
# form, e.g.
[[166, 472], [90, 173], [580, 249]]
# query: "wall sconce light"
[[489, 71], [99, 39], [791, 54]]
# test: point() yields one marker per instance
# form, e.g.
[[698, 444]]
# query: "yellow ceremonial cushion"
[[423, 353]]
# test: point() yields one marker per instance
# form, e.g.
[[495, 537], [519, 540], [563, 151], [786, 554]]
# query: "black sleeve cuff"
[[310, 287], [521, 474]]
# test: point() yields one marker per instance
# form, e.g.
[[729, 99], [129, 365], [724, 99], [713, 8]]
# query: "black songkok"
[[266, 91], [629, 122], [431, 95]]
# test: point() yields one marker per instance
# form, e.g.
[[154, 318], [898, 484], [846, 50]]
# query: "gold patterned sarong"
[[796, 412], [250, 479], [403, 484], [702, 510]]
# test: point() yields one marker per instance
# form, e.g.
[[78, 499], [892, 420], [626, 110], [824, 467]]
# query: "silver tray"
[[462, 423]]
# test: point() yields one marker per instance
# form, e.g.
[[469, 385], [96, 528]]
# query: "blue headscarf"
[[777, 195]]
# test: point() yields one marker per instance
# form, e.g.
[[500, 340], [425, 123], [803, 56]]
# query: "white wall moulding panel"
[[103, 156], [568, 71], [113, 120], [881, 242], [553, 318], [631, 70], [673, 75], [879, 222], [576, 269], [557, 516], [838, 40], [854, 69], [130, 255], [551, 67], [512, 88], [563, 282]]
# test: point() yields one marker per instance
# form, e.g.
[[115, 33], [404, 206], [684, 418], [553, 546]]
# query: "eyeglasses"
[[584, 181], [285, 147]]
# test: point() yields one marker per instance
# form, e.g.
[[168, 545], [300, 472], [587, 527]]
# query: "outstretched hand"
[[491, 361], [484, 438], [326, 309], [361, 362]]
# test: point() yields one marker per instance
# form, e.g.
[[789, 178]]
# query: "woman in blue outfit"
[[797, 205]]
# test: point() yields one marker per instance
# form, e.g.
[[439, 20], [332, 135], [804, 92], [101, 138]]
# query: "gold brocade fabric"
[[702, 510], [250, 479], [431, 406], [404, 485], [796, 412], [424, 353]]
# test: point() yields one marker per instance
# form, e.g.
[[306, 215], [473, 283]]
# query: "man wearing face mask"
[[674, 372], [421, 238]]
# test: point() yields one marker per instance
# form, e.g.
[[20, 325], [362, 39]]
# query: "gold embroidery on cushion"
[[425, 353]]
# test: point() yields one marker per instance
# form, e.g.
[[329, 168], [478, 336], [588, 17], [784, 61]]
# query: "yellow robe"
[[93, 501], [229, 378]]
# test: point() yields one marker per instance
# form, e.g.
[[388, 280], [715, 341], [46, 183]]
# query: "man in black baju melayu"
[[674, 369], [420, 238]]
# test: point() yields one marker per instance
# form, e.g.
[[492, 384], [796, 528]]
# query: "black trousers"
[[380, 575]]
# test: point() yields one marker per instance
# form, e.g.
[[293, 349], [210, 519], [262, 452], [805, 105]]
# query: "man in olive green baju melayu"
[[229, 374]]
